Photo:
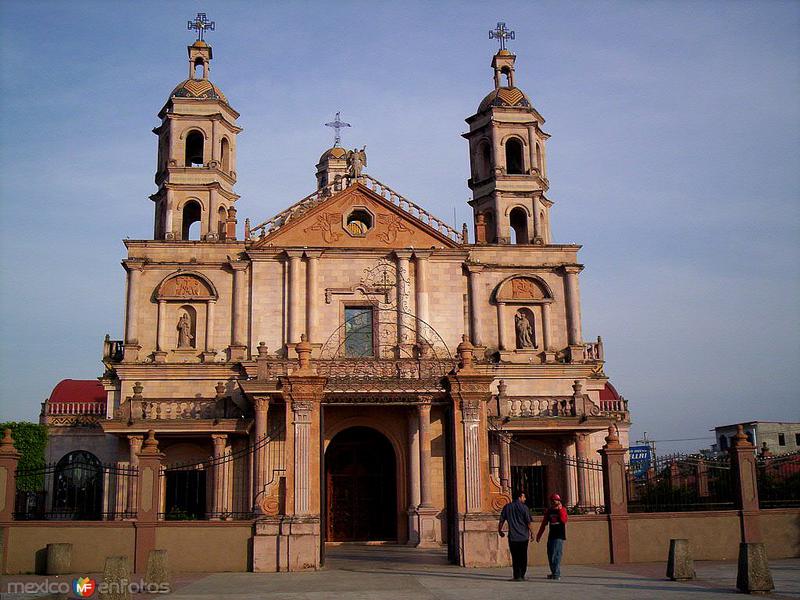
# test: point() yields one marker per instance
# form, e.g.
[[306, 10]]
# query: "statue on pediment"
[[356, 161]]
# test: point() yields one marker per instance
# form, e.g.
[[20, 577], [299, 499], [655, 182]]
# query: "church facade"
[[353, 368]]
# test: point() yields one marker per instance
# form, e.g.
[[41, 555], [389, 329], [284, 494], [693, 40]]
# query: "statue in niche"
[[356, 161], [185, 336], [524, 331]]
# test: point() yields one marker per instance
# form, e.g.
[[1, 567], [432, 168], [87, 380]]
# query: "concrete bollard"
[[116, 579], [753, 575], [59, 559], [157, 569], [680, 565]]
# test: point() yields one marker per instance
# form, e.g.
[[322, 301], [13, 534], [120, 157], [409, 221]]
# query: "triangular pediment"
[[382, 225]]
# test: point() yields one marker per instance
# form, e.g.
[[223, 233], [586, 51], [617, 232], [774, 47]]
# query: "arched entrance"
[[361, 487]]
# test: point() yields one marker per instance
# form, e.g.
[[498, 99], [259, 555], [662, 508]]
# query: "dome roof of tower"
[[78, 390], [335, 152], [198, 88], [505, 96]]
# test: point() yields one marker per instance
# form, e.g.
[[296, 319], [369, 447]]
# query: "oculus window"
[[358, 342]]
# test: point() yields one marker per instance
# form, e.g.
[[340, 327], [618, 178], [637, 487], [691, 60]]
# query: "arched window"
[[78, 487], [515, 164], [191, 215], [199, 69], [483, 168], [490, 228], [225, 154], [506, 72], [194, 149], [223, 218], [518, 219]]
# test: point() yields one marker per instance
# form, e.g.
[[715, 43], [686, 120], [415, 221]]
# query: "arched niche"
[[527, 296], [194, 295]]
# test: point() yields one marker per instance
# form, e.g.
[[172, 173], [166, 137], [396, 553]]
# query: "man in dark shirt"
[[518, 517], [556, 518]]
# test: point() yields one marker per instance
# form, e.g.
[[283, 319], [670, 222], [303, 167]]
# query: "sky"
[[674, 159]]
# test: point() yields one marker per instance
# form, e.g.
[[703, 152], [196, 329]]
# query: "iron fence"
[[681, 482], [78, 487], [540, 472], [779, 481], [222, 487]]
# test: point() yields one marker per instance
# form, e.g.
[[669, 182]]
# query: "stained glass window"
[[358, 331]]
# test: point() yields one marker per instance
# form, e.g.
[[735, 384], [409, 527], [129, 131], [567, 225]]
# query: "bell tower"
[[507, 160], [196, 168]]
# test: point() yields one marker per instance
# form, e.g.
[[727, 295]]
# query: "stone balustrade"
[[113, 350], [302, 206], [74, 408], [538, 406]]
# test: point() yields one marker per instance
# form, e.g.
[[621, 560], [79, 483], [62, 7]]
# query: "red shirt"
[[557, 519]]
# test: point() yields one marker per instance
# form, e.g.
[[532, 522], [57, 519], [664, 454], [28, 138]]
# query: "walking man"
[[556, 518], [520, 533]]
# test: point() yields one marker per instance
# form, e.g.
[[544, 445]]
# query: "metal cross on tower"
[[338, 125], [201, 24], [501, 34]]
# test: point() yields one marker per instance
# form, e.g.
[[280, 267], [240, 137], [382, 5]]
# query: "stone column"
[[413, 477], [161, 343], [743, 466], [169, 234], [218, 476], [582, 451], [421, 289], [428, 525], [312, 296], [132, 346], [261, 410], [210, 310], [405, 328], [547, 336], [424, 413], [470, 416], [9, 458], [532, 148], [212, 230], [135, 446], [149, 500], [538, 238], [238, 345], [615, 497], [573, 305], [209, 354], [505, 460], [502, 327], [293, 320], [475, 304], [570, 473]]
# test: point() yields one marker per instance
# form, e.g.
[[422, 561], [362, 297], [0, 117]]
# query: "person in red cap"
[[556, 518]]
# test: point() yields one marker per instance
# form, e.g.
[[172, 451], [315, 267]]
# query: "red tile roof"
[[609, 392], [78, 390]]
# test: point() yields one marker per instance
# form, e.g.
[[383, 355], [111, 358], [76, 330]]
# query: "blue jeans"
[[555, 548]]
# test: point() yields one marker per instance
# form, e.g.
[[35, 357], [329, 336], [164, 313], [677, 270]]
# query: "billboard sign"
[[641, 458]]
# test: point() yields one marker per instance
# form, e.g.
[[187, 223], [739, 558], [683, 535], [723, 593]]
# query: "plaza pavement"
[[399, 573]]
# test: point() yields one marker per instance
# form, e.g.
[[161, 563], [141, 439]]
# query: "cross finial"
[[501, 34], [338, 125], [201, 24]]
